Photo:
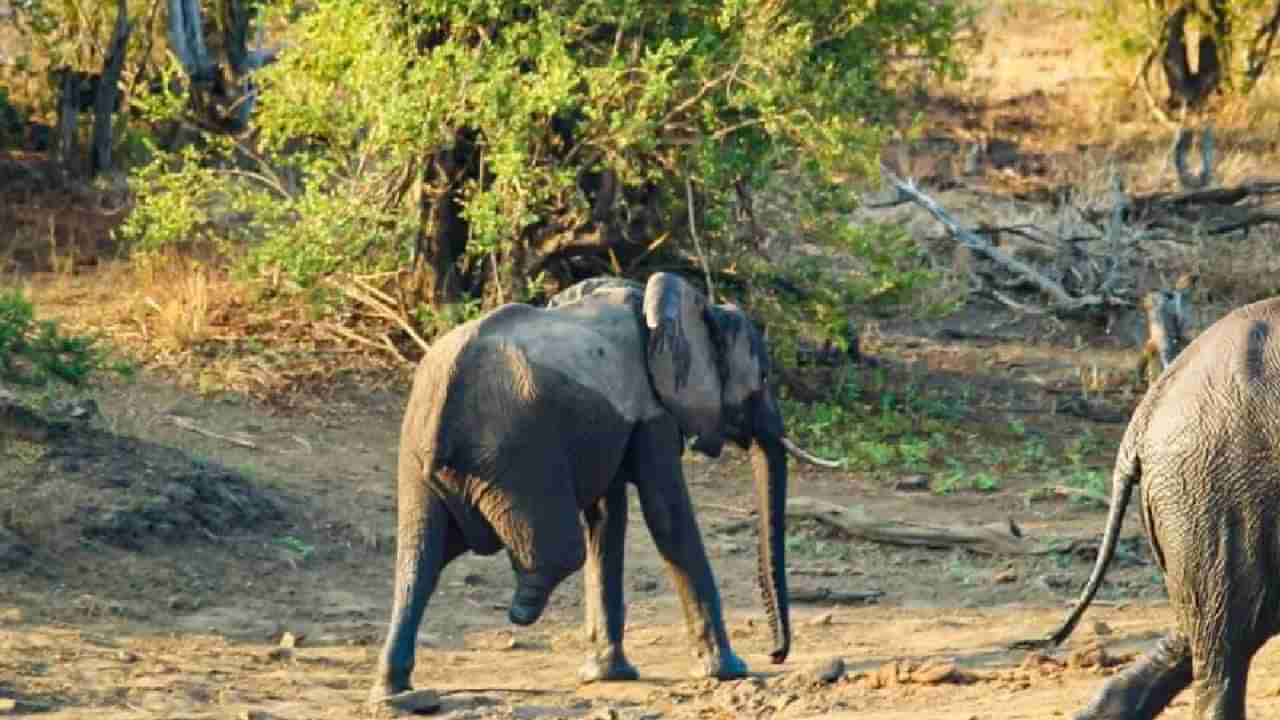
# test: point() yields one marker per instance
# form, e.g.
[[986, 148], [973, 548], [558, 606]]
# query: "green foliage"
[[360, 119], [36, 353]]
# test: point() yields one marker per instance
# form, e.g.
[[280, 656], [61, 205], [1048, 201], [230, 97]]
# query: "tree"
[[1234, 43], [498, 148]]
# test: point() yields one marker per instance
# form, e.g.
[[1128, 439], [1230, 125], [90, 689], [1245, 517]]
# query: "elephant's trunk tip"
[[808, 457]]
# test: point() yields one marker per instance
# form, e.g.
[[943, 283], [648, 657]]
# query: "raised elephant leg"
[[427, 540], [1143, 690], [539, 528], [602, 579], [654, 455]]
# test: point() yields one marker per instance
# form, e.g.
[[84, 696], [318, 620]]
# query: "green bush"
[[36, 353], [502, 148]]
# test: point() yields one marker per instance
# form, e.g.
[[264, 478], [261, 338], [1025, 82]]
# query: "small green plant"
[[36, 353], [296, 546]]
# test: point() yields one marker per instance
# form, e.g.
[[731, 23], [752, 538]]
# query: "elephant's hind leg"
[[539, 528], [1146, 688], [606, 613], [427, 540]]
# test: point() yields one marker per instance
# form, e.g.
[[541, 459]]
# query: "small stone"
[[182, 603], [280, 653], [645, 585], [828, 671], [125, 656], [603, 714], [413, 701], [289, 640], [8, 706], [935, 674], [255, 715], [887, 675], [1056, 581], [1091, 655], [1101, 628], [912, 483], [11, 615], [823, 619], [1007, 575]]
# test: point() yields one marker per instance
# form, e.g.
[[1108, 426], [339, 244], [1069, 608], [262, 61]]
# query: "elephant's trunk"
[[769, 466]]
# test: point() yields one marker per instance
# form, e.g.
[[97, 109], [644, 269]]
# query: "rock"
[[125, 656], [1091, 655], [887, 676], [289, 640], [1056, 581], [1007, 575], [14, 553], [912, 483], [8, 706], [823, 619], [280, 653], [183, 603], [935, 674], [11, 615], [418, 702], [827, 671], [603, 714], [645, 585], [1101, 628], [255, 715]]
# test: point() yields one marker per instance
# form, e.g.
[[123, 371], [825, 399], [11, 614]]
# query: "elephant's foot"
[[723, 665], [528, 603], [607, 665], [1147, 687]]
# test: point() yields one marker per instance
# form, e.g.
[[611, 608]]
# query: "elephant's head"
[[710, 368]]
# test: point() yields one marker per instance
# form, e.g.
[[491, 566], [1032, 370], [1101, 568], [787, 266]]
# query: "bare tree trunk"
[[65, 146], [106, 98], [1189, 88], [442, 233]]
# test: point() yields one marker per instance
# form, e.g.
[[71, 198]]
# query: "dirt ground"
[[171, 600], [149, 570]]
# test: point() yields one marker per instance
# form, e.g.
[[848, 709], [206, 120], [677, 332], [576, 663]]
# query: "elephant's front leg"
[[606, 613], [668, 511]]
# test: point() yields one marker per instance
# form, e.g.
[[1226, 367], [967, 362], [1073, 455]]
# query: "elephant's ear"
[[682, 358]]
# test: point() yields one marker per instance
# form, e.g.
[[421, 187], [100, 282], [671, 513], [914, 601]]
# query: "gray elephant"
[[523, 429], [1202, 446]]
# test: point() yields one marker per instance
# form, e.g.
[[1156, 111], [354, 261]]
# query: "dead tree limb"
[[1061, 300], [1204, 178], [983, 539]]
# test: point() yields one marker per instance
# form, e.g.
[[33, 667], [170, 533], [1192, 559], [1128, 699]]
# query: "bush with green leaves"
[[35, 352], [501, 148]]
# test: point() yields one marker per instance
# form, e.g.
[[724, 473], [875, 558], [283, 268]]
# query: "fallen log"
[[983, 539], [835, 597]]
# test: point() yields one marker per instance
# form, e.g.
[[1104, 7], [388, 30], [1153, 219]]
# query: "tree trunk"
[[65, 146], [1187, 88], [442, 233], [106, 99]]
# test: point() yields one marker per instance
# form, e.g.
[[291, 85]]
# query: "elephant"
[[1202, 447], [523, 428]]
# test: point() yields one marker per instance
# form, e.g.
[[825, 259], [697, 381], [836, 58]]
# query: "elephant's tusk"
[[809, 458]]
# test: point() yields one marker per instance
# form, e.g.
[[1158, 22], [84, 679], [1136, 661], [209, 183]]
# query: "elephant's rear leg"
[[427, 540], [539, 526], [602, 579], [1146, 688]]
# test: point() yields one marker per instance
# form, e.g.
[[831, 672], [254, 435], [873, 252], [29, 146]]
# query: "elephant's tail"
[[1127, 473]]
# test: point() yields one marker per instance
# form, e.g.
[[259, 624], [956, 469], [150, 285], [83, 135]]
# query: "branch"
[[697, 244], [1062, 300]]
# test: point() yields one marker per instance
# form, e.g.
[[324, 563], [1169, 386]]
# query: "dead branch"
[[1061, 300], [835, 597], [188, 424], [1204, 178], [983, 539]]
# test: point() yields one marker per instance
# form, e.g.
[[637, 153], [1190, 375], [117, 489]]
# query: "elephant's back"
[[1218, 403]]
